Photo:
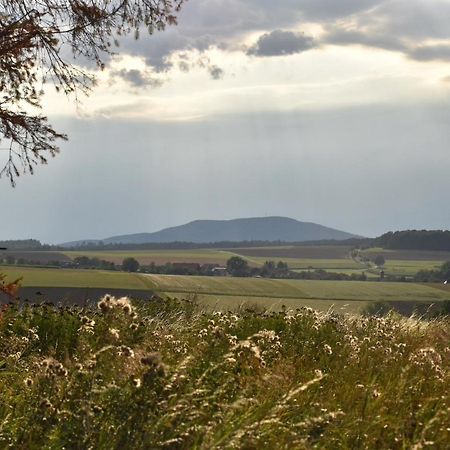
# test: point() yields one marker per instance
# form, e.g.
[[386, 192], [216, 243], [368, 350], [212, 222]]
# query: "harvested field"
[[297, 252]]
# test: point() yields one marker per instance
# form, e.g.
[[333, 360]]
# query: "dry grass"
[[165, 375]]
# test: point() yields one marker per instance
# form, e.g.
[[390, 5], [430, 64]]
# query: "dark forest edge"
[[437, 240]]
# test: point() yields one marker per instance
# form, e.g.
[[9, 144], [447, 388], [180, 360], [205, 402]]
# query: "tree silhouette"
[[34, 37]]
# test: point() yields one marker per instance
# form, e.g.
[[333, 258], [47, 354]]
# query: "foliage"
[[164, 375], [414, 240], [10, 288], [443, 274], [94, 263], [130, 265], [237, 266], [36, 40], [379, 260], [23, 244]]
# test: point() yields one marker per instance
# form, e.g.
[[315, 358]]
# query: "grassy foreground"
[[165, 375]]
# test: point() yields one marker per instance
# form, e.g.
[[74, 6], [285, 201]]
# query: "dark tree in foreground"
[[40, 41], [130, 265]]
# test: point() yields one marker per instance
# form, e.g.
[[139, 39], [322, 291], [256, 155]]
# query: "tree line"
[[438, 240]]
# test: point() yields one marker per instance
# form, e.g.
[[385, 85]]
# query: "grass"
[[323, 294], [300, 289], [159, 257], [218, 303], [409, 268], [167, 376], [334, 259], [37, 277], [314, 263]]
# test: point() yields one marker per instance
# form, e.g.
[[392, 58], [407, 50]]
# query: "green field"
[[329, 258], [233, 291], [212, 256], [410, 268], [159, 257], [73, 278]]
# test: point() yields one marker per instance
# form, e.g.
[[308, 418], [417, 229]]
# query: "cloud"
[[223, 24], [339, 36], [216, 72], [431, 52], [405, 26], [279, 42], [137, 78], [417, 28]]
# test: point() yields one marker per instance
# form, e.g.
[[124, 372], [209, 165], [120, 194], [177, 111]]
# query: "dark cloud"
[[337, 36], [203, 24], [137, 78], [398, 25], [281, 42], [431, 52], [404, 26], [216, 72]]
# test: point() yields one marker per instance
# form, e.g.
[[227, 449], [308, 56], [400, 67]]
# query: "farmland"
[[298, 257], [330, 258], [159, 257], [226, 293]]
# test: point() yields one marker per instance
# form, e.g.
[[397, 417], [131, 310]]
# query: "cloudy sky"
[[335, 112]]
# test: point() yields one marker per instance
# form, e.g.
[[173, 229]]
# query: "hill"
[[281, 229]]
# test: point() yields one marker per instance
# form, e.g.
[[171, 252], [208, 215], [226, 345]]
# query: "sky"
[[334, 112]]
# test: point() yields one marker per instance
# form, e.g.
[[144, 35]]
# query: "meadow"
[[167, 375]]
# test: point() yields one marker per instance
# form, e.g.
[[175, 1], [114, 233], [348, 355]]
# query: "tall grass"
[[164, 375]]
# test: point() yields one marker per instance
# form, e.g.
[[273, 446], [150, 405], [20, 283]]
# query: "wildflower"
[[328, 349], [125, 304], [203, 333], [137, 382], [105, 304], [114, 332]]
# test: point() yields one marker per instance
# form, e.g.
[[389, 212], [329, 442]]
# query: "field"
[[329, 258], [159, 257], [167, 375], [76, 278], [299, 258], [408, 255], [225, 292]]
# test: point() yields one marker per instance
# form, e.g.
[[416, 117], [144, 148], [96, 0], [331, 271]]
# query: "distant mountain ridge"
[[273, 229]]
